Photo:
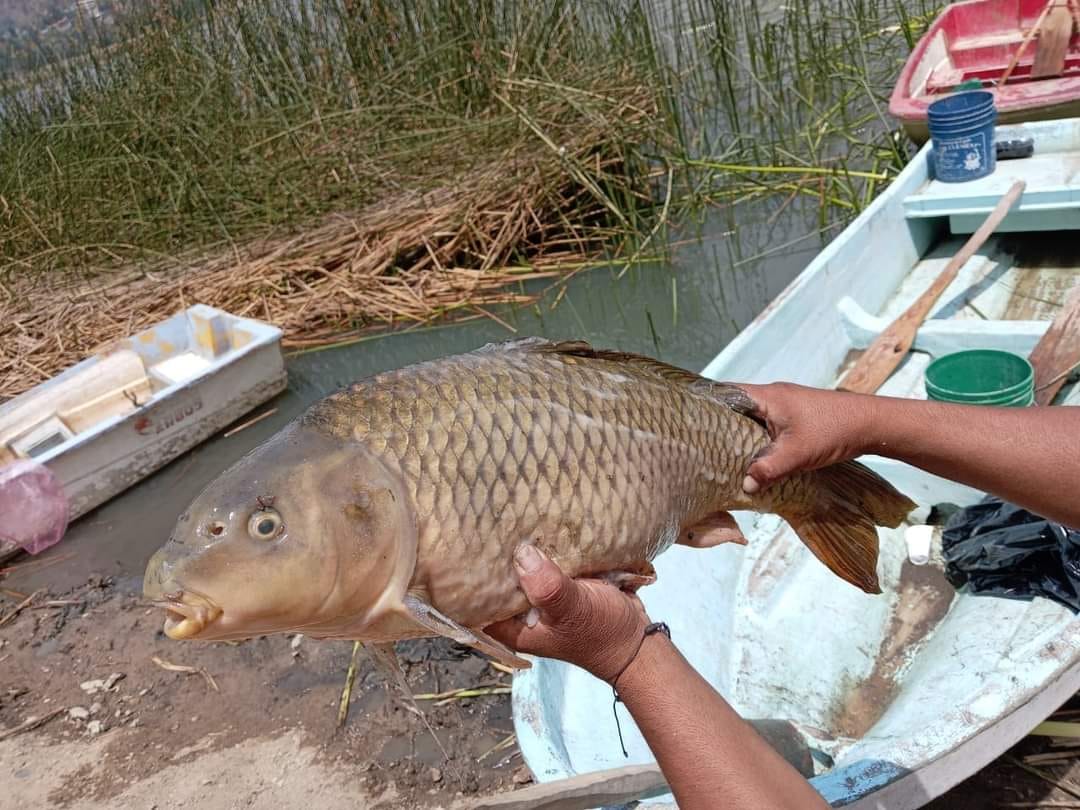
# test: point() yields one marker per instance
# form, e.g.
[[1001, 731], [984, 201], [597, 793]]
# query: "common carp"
[[391, 509]]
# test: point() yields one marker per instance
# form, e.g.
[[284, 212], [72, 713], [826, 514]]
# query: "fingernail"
[[532, 617], [750, 486], [528, 559]]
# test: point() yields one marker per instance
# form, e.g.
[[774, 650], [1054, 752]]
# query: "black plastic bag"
[[1000, 549]]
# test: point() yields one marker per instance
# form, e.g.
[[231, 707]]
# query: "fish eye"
[[215, 529], [265, 524]]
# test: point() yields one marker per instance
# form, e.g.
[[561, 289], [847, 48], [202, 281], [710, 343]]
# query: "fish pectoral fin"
[[427, 616], [630, 581], [712, 530]]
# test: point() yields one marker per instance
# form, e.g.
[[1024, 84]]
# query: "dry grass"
[[411, 258], [320, 167]]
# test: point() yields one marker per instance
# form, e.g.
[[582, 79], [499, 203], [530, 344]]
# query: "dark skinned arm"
[[1028, 456], [708, 754]]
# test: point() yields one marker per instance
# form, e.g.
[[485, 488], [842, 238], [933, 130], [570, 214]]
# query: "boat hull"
[[918, 131], [148, 439]]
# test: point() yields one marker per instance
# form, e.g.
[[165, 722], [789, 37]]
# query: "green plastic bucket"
[[982, 377]]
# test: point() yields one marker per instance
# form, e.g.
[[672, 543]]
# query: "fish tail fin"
[[838, 522]]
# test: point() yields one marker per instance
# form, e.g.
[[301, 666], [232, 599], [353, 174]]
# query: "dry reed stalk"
[[412, 258]]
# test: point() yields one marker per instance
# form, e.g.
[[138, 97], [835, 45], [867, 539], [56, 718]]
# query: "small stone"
[[435, 774], [95, 707], [143, 692], [112, 680], [93, 686], [522, 776], [78, 713], [95, 727], [295, 643]]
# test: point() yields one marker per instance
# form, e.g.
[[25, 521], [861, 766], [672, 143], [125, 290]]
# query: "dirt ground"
[[253, 724], [259, 729]]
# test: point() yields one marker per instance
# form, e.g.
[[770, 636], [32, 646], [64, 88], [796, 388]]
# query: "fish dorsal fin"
[[731, 395]]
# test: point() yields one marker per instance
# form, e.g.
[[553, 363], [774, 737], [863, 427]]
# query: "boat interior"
[[118, 380], [914, 681], [978, 41]]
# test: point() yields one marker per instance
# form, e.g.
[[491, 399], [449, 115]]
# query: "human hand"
[[586, 622], [810, 428]]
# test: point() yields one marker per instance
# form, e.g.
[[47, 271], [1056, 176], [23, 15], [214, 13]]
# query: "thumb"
[[546, 586], [775, 461]]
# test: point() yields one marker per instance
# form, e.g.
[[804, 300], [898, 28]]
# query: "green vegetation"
[[333, 164], [217, 122]]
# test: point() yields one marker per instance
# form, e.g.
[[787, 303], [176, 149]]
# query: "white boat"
[[903, 695], [114, 418]]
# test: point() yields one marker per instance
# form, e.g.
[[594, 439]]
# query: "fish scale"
[[550, 432], [394, 506]]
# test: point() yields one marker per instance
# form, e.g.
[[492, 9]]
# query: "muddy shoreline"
[[90, 653]]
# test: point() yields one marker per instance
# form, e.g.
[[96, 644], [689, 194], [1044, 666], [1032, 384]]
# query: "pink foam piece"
[[33, 507]]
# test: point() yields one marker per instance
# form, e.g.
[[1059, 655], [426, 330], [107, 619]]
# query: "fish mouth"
[[187, 614]]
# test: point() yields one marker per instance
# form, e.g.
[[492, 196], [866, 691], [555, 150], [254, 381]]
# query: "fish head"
[[306, 532]]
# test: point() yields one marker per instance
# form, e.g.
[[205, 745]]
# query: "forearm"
[[709, 755], [1028, 456]]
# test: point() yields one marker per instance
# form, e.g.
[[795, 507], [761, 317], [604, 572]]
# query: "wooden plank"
[[892, 345], [614, 786], [1053, 42], [617, 786], [1058, 351]]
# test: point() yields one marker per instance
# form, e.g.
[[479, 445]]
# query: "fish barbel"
[[391, 509]]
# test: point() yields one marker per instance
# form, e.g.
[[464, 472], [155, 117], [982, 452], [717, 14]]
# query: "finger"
[[510, 633], [545, 585], [516, 634], [775, 462], [754, 393]]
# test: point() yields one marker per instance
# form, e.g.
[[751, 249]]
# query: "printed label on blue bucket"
[[967, 157], [962, 131]]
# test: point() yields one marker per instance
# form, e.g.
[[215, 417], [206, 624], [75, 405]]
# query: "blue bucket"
[[962, 131]]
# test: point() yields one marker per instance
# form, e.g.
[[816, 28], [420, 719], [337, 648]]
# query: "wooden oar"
[[1058, 351], [1054, 39], [1024, 43], [891, 346]]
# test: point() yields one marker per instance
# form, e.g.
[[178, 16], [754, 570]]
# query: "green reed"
[[209, 122]]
